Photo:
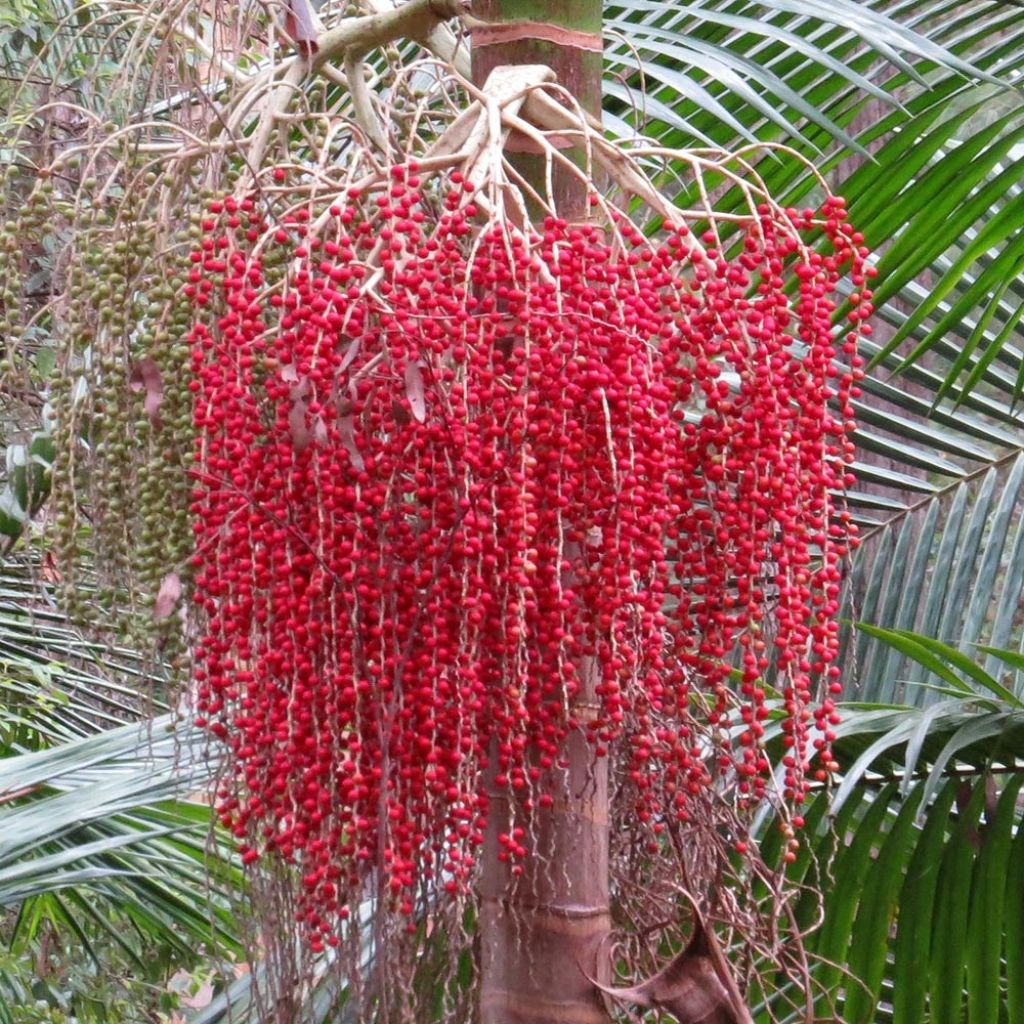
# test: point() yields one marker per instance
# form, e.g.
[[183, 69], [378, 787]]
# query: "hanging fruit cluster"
[[123, 414], [447, 468]]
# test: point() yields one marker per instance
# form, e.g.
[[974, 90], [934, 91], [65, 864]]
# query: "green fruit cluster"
[[123, 438]]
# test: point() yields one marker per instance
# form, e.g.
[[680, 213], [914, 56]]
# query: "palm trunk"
[[539, 930], [563, 34]]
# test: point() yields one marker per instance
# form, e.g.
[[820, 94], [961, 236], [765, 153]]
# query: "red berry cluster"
[[448, 473]]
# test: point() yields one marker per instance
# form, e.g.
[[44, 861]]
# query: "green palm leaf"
[[109, 813], [921, 919], [916, 912], [100, 834], [951, 566], [938, 466]]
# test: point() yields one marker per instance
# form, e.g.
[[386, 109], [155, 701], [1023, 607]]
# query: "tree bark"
[[541, 931], [537, 931]]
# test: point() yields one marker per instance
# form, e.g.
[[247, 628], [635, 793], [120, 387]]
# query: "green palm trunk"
[[565, 36]]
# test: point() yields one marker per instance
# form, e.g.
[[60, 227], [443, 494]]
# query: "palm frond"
[[916, 854], [109, 814], [712, 72], [939, 473], [949, 566], [56, 684], [100, 830], [916, 904]]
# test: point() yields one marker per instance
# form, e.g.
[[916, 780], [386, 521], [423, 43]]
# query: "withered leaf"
[[347, 429], [145, 376], [301, 435], [301, 24], [414, 391], [344, 405], [50, 570], [696, 987], [167, 597], [400, 413], [350, 353]]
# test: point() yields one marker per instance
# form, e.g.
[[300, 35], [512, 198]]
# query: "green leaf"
[[947, 653], [869, 946], [952, 915], [42, 448], [913, 646], [917, 901], [987, 908], [1014, 658], [981, 727], [852, 863], [45, 360], [1014, 930], [12, 514]]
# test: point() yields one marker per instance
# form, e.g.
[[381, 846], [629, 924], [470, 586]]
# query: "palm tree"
[[909, 110]]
